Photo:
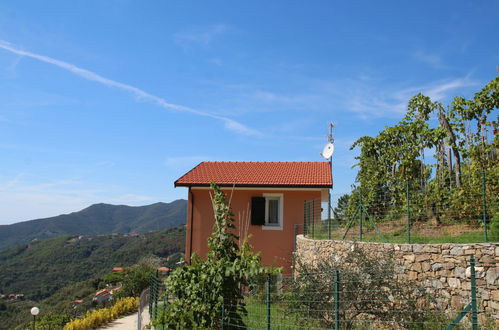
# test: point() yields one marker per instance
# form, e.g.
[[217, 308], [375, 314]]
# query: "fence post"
[[474, 312], [484, 207], [156, 296], [313, 218], [305, 217], [152, 291], [223, 314], [267, 298], [361, 209], [408, 212], [337, 300], [329, 216]]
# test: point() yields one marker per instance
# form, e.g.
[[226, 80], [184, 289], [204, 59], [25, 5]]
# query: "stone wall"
[[443, 269]]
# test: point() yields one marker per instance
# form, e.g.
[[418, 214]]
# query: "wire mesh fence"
[[411, 212], [360, 292], [354, 299]]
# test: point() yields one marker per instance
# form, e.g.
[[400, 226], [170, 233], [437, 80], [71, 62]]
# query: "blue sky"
[[111, 101]]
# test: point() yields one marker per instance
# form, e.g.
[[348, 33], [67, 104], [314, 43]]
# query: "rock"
[[454, 282], [422, 257], [436, 284], [495, 295], [406, 247], [491, 276], [409, 257], [416, 248], [459, 272], [425, 266], [417, 267], [431, 249], [456, 302], [448, 265], [456, 251], [412, 275], [436, 266]]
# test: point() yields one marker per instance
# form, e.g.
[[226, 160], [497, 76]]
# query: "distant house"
[[164, 269], [102, 296], [267, 201], [118, 269]]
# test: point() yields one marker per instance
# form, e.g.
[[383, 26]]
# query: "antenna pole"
[[330, 140]]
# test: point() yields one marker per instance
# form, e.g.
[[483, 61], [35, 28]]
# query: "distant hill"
[[40, 268], [52, 273], [97, 219]]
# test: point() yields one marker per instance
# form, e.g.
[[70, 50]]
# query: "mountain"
[[52, 273], [40, 268], [97, 219]]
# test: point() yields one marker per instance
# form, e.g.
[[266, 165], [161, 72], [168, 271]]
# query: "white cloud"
[[202, 36], [433, 59], [136, 92]]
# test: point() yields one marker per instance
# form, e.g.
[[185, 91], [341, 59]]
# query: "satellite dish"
[[328, 151]]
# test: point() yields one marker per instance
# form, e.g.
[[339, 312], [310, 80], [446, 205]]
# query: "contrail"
[[137, 92]]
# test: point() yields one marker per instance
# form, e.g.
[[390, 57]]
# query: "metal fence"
[[411, 212], [361, 293], [350, 299]]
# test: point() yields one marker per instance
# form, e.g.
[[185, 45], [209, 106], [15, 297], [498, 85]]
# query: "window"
[[272, 211], [267, 211]]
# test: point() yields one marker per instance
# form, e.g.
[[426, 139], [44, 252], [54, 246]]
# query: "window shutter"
[[257, 211]]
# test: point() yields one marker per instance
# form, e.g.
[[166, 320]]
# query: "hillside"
[[41, 268], [98, 219]]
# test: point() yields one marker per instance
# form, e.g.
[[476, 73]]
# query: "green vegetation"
[[102, 316], [199, 290], [459, 185], [98, 219], [53, 273]]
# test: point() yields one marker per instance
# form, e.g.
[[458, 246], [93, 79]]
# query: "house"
[[102, 296], [267, 200]]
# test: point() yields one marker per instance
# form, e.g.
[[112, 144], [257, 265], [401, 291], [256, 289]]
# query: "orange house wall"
[[275, 246]]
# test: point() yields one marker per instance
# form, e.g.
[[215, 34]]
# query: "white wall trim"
[[261, 188], [281, 212]]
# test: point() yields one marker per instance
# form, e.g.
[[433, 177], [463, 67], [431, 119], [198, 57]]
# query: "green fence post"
[[337, 300], [151, 295], [305, 217], [313, 218], [474, 312], [223, 314], [484, 207], [329, 217], [156, 296], [267, 298], [408, 212], [361, 209]]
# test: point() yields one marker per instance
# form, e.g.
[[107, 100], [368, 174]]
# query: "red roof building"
[[259, 174], [267, 199]]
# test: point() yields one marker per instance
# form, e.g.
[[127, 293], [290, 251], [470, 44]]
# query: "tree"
[[200, 289]]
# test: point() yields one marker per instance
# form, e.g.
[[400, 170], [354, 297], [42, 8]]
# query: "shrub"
[[369, 291], [99, 317]]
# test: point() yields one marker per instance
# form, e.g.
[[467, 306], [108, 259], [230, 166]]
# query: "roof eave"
[[327, 186]]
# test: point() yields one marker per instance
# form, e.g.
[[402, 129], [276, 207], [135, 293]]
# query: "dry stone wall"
[[443, 269]]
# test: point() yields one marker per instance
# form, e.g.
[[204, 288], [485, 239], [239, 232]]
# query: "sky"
[[111, 101]]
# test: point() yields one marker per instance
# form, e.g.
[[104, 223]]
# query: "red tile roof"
[[259, 174]]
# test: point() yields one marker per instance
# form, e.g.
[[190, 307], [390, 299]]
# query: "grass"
[[280, 317], [395, 231]]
